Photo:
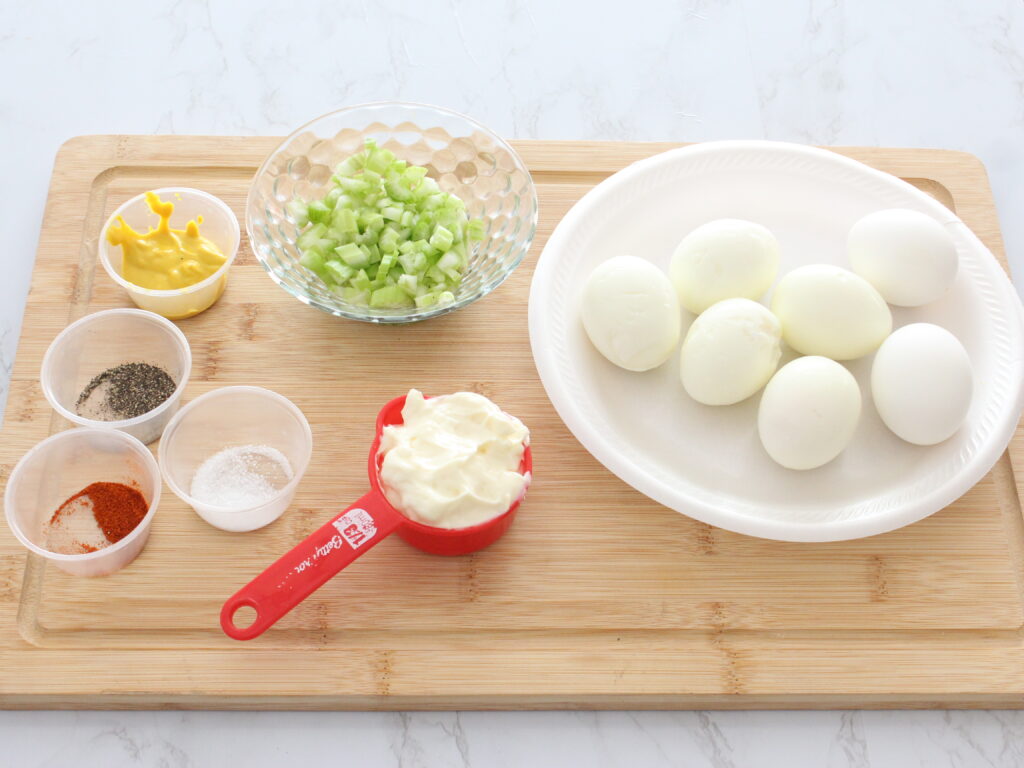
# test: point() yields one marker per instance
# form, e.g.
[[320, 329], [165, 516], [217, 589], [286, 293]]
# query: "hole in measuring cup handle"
[[248, 616], [241, 608]]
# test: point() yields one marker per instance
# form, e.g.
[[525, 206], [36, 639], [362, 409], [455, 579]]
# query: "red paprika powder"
[[118, 508]]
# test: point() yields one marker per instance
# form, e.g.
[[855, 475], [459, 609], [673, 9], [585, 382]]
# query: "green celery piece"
[[450, 264], [442, 238], [421, 229], [318, 212], [350, 165], [361, 280], [414, 262], [457, 230], [314, 261], [435, 274], [391, 213], [426, 300], [298, 211], [351, 185], [354, 295], [429, 190], [389, 296], [379, 160], [387, 261], [345, 220], [310, 236], [396, 189], [352, 255], [371, 222], [332, 197], [333, 233], [414, 173], [388, 242], [340, 272], [446, 297]]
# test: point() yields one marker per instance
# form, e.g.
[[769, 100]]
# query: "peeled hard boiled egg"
[[724, 259], [631, 313], [907, 255], [829, 311], [808, 413], [730, 352], [922, 383]]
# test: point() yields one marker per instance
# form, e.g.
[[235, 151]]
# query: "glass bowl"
[[464, 157]]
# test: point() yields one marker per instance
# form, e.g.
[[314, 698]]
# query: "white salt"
[[241, 477]]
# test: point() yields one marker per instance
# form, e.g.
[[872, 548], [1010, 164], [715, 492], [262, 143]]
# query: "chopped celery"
[[318, 211], [442, 238], [407, 283], [298, 211], [385, 234], [340, 272], [390, 296], [310, 236], [351, 255], [388, 242], [361, 280], [345, 220], [314, 261], [333, 196], [449, 264]]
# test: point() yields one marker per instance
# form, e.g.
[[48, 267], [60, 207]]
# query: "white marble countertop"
[[854, 72]]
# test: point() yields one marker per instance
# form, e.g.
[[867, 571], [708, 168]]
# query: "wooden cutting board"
[[596, 598]]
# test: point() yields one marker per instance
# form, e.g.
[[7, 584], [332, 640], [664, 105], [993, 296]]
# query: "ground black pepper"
[[124, 392]]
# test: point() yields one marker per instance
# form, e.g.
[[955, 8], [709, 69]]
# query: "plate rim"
[[982, 460]]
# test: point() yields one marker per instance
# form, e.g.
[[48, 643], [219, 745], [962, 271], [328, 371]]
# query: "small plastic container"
[[61, 466], [103, 340], [219, 226], [228, 417]]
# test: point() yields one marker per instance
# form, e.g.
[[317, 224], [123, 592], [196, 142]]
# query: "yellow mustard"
[[165, 259]]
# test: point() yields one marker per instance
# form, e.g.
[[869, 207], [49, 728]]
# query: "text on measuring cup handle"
[[355, 528]]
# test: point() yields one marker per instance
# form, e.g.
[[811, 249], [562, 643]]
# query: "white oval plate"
[[708, 462]]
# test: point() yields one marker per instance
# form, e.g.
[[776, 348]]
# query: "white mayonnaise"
[[455, 461]]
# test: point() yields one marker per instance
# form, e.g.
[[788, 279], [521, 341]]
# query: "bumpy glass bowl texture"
[[464, 157]]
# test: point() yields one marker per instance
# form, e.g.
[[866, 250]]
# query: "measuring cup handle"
[[301, 571]]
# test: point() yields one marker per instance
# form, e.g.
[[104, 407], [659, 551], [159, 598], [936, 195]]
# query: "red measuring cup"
[[350, 535]]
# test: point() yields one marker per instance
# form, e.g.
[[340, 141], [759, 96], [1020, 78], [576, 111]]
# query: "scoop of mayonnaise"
[[454, 462]]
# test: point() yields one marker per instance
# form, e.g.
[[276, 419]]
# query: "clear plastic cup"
[[229, 417], [61, 466], [103, 340], [219, 226]]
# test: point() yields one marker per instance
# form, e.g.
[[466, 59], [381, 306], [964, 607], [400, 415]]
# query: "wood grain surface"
[[596, 598]]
